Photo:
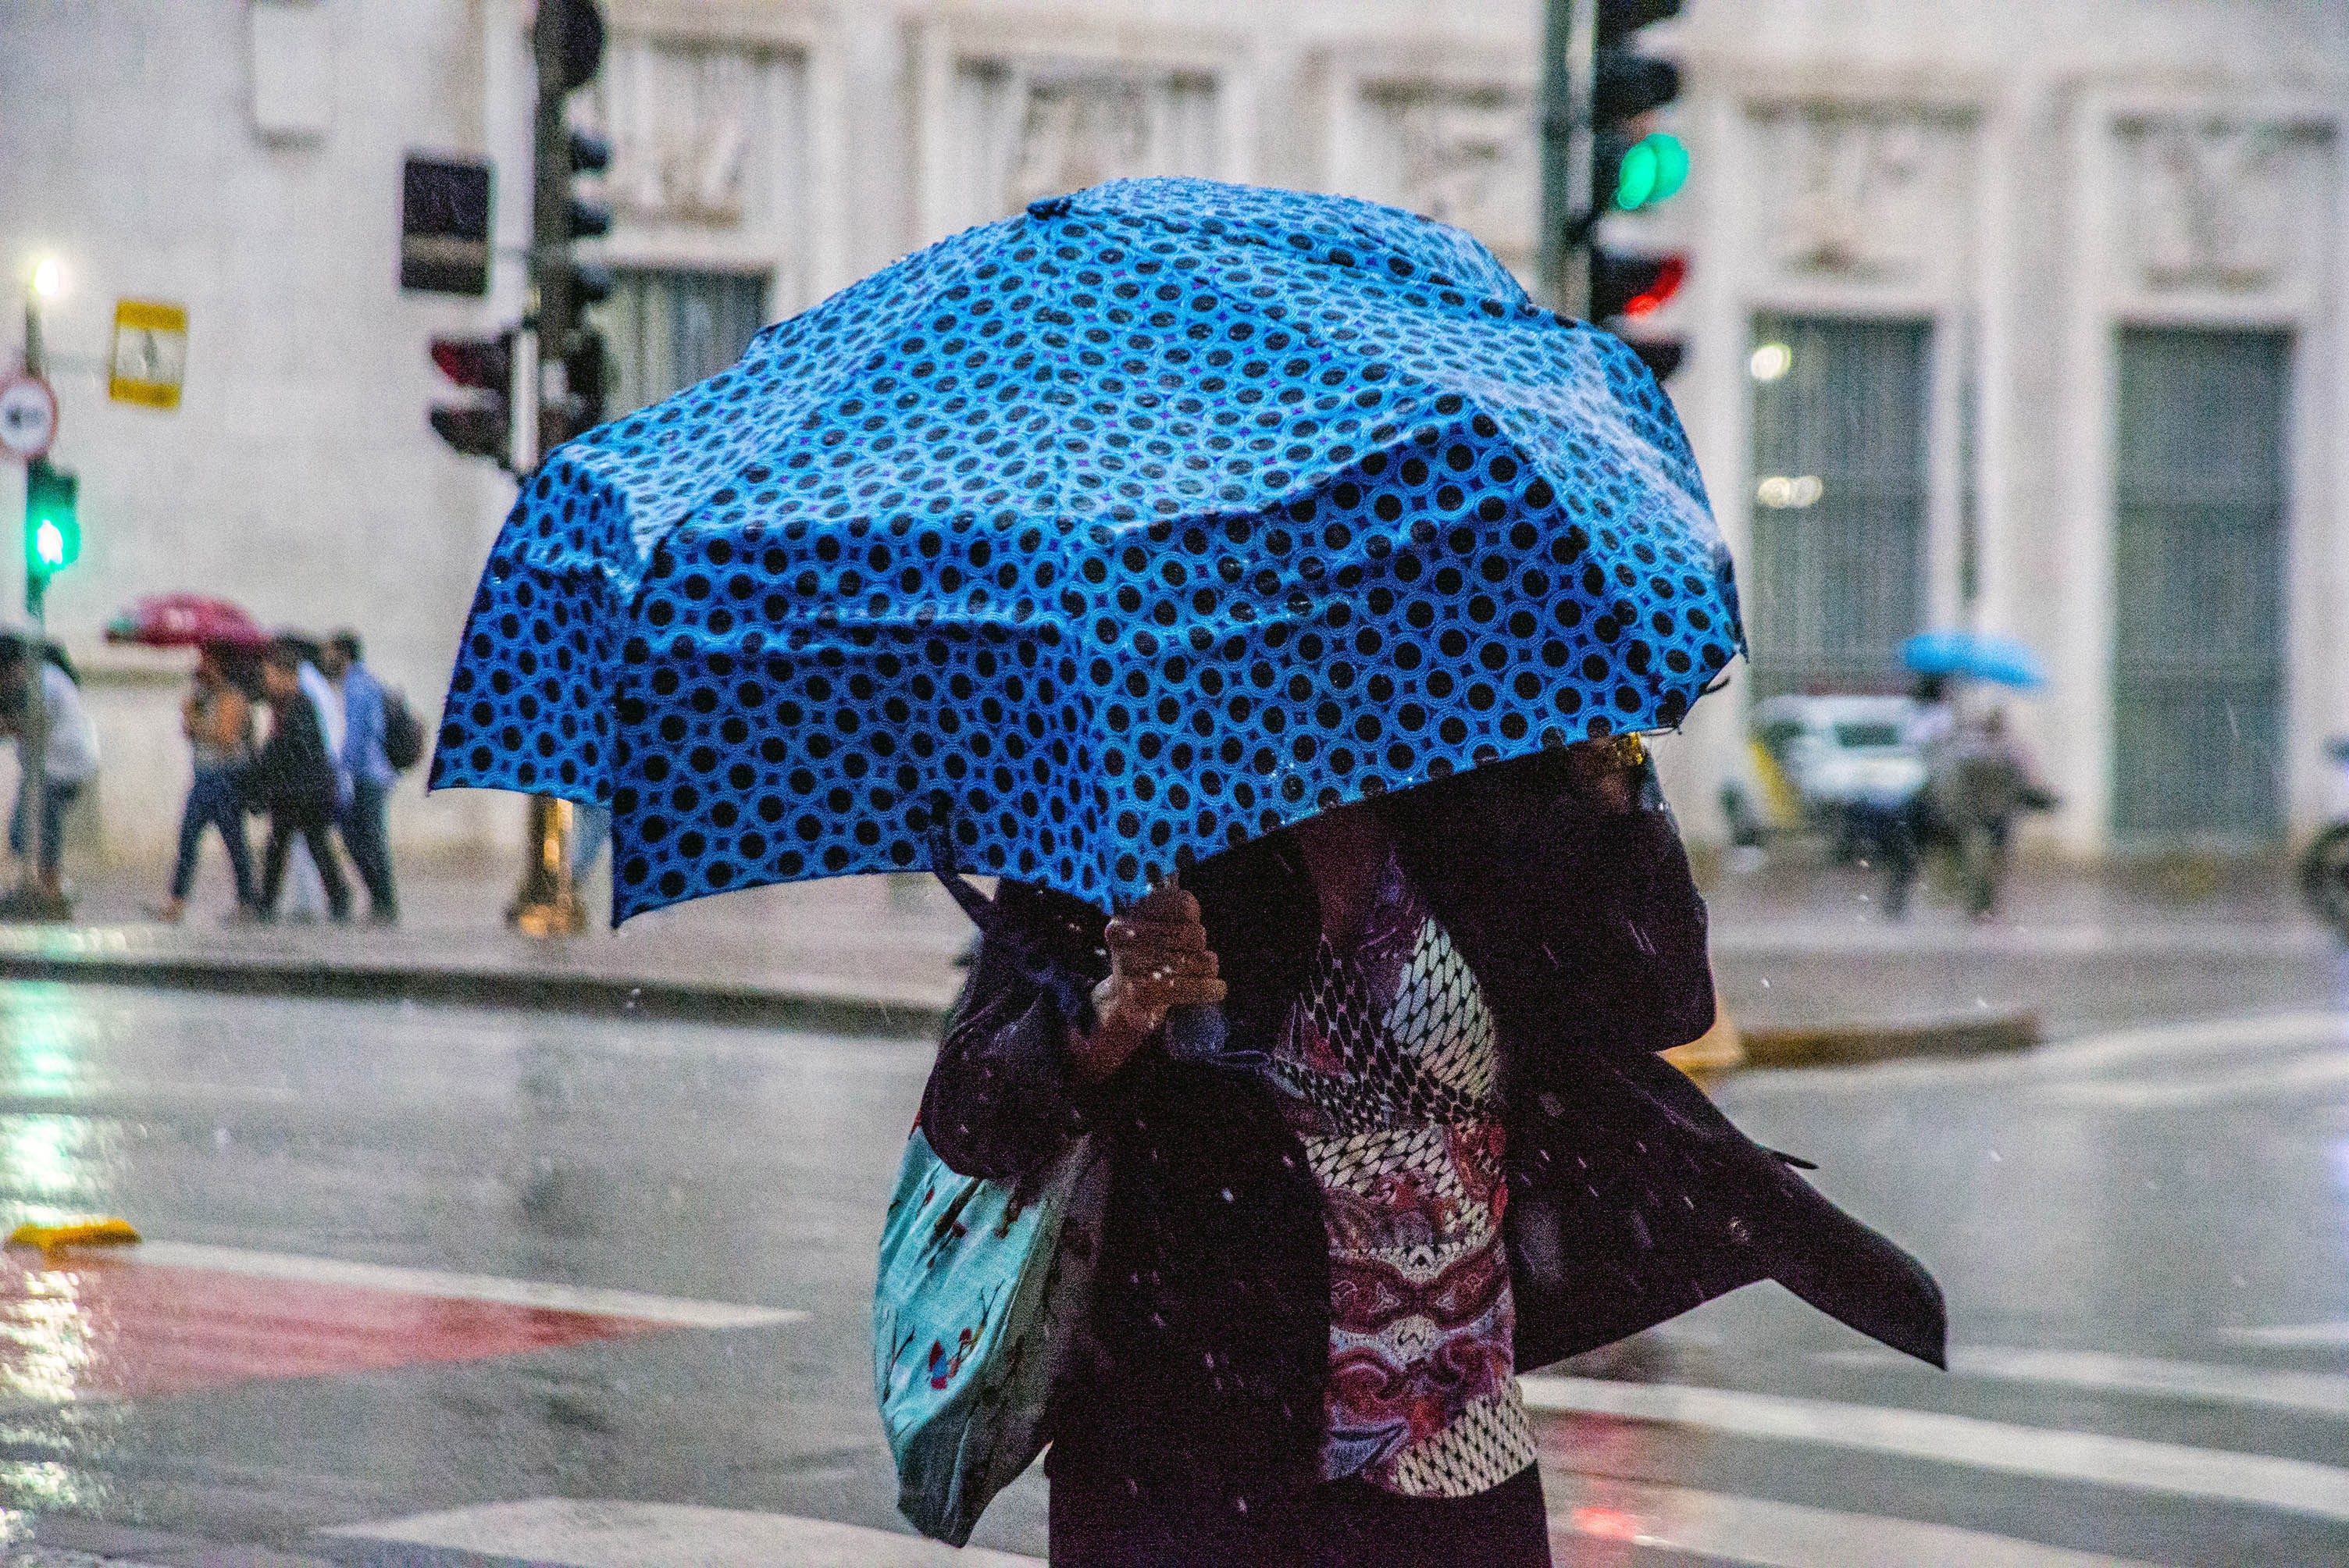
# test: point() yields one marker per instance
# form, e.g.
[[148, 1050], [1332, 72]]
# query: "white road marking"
[[643, 1534], [2214, 1037], [672, 1310], [2260, 1080], [1779, 1534], [2312, 1393], [2292, 1336], [2296, 1486]]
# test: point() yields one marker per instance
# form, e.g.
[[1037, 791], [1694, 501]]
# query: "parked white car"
[[1814, 760]]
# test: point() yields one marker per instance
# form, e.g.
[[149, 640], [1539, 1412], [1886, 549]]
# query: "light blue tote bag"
[[973, 1315]]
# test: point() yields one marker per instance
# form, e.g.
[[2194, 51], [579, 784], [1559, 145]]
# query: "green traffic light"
[[52, 520], [1653, 169]]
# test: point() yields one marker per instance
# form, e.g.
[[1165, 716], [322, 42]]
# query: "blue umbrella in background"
[[1975, 655], [1100, 539]]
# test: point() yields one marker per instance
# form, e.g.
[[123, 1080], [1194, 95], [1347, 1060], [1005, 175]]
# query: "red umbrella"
[[185, 621]]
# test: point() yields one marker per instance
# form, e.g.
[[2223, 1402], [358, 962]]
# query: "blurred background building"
[[2018, 314]]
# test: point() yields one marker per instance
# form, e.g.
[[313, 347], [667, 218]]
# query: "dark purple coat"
[[1632, 1199]]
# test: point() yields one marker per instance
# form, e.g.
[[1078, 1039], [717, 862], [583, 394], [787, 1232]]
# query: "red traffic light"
[[1671, 272], [485, 364], [1632, 286]]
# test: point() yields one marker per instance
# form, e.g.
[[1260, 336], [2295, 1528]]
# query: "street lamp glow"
[[48, 277], [1770, 362]]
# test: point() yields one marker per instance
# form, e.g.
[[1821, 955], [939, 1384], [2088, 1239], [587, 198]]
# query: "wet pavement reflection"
[[2145, 1238]]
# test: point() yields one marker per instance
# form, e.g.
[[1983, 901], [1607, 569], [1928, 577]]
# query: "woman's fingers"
[[1165, 903], [1126, 931], [1162, 966], [1156, 995]]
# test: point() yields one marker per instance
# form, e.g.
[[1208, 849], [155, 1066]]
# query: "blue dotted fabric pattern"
[[1106, 536]]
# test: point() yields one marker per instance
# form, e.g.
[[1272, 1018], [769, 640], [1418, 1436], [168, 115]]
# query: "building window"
[[2198, 578], [1039, 127], [1838, 501], [667, 330]]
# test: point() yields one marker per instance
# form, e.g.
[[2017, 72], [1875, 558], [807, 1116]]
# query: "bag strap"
[[1072, 992]]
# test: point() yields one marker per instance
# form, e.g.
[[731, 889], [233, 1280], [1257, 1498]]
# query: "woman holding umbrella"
[[1280, 545], [217, 719]]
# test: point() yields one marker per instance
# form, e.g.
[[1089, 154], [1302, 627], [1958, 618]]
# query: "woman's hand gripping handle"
[[1162, 979]]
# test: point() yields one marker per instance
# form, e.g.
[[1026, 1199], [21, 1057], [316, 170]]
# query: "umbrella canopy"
[[184, 620], [1976, 656], [1104, 537]]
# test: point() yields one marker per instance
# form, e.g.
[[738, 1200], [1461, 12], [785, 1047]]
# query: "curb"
[[1865, 1045], [840, 1011]]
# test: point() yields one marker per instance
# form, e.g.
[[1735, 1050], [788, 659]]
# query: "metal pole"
[[547, 904], [1569, 80], [34, 895]]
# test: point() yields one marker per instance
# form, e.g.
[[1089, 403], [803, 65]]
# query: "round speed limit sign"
[[28, 417]]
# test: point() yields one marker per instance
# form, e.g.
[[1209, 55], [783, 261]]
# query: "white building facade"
[[2057, 285]]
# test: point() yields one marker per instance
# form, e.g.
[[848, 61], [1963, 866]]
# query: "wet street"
[[418, 1276]]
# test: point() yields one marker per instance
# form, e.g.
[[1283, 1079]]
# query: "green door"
[[1838, 501], [2197, 580]]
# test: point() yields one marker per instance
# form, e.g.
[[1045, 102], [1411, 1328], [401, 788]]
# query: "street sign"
[[151, 352], [28, 417], [444, 225]]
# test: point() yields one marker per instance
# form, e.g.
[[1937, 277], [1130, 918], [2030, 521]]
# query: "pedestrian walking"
[[68, 761], [1277, 547], [294, 779], [305, 893], [217, 719], [1980, 781], [1434, 1150], [366, 767]]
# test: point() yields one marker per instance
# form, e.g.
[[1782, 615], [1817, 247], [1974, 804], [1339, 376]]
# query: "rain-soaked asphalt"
[[2145, 1238]]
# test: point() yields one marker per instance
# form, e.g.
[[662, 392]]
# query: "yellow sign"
[[151, 352]]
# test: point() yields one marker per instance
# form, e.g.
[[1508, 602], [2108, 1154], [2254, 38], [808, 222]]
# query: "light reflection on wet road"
[[2109, 1220]]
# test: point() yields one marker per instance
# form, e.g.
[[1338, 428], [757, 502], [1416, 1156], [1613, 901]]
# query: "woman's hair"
[[238, 667]]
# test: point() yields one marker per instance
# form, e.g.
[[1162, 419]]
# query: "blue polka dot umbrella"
[[1151, 519]]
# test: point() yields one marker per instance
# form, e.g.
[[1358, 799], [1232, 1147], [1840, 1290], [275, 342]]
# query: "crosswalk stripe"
[[673, 1310], [2218, 1036], [2292, 1336], [1768, 1534], [2263, 1079], [2296, 1486], [2313, 1393], [590, 1534]]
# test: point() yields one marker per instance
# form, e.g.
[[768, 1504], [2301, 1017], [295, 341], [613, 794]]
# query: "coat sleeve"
[[1002, 1100]]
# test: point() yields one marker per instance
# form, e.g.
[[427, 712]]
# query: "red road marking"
[[113, 1325]]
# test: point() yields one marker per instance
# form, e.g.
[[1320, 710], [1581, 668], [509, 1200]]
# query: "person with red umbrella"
[[218, 720]]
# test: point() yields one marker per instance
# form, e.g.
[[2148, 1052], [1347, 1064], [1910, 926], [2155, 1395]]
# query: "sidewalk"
[[1798, 954]]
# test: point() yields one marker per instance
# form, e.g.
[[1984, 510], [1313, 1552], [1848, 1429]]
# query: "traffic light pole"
[[33, 894], [547, 904], [1569, 205]]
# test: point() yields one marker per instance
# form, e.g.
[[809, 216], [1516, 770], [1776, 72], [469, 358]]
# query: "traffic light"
[[586, 375], [569, 56], [52, 522], [482, 425], [587, 154], [1633, 167], [1625, 289]]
